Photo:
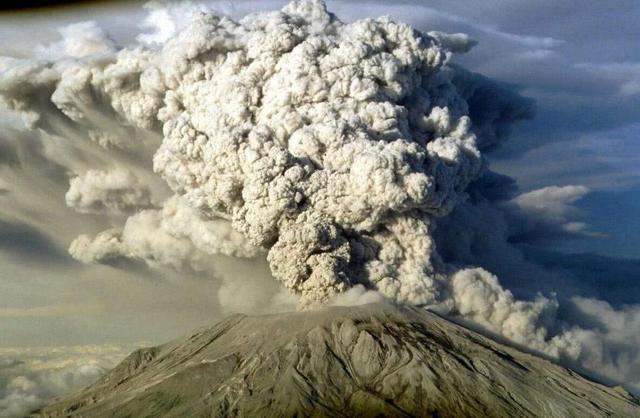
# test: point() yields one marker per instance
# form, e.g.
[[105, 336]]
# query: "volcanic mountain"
[[369, 360]]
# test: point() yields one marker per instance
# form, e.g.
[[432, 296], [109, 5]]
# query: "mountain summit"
[[370, 360]]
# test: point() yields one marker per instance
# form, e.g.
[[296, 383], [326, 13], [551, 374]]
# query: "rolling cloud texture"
[[348, 155]]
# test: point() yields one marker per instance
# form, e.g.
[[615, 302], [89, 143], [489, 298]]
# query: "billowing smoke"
[[111, 191], [338, 151]]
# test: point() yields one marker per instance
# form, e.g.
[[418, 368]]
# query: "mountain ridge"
[[368, 360]]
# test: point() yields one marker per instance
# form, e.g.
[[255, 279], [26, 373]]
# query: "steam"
[[335, 150]]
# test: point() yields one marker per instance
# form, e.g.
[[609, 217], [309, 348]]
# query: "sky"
[[580, 67], [578, 61]]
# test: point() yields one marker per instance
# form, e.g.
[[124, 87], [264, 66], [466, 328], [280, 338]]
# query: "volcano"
[[369, 360]]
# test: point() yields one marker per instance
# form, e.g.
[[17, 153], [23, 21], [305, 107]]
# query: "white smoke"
[[608, 340], [335, 149], [165, 19], [78, 40], [331, 145], [115, 191], [479, 297], [358, 295], [176, 236]]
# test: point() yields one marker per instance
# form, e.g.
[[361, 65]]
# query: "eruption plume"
[[335, 149]]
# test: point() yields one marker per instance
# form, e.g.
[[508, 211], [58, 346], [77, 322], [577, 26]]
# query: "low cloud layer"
[[348, 155], [31, 376]]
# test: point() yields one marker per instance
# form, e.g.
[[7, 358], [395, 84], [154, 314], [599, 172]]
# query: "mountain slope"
[[371, 360]]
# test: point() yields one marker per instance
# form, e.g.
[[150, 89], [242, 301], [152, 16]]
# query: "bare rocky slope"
[[371, 360]]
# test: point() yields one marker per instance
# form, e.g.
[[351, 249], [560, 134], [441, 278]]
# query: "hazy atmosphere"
[[165, 164]]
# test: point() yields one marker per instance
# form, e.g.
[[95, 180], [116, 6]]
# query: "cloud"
[[347, 154], [165, 19], [548, 212], [478, 297], [176, 236], [29, 243], [116, 191], [104, 248], [589, 275], [329, 174], [47, 311], [40, 374], [7, 154], [78, 40], [494, 108], [624, 74], [609, 340], [583, 75], [456, 17], [602, 341], [358, 295], [606, 160]]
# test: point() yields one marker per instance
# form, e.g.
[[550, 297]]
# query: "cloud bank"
[[347, 154], [30, 377]]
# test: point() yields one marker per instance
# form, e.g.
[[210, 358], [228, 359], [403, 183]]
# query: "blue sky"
[[580, 62], [602, 211]]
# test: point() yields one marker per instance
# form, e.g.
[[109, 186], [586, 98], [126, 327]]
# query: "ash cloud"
[[115, 191], [328, 144], [347, 154]]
